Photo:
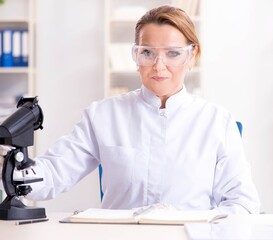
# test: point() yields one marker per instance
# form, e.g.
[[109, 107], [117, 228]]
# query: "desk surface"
[[52, 229]]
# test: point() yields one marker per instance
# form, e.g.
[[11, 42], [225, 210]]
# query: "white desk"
[[68, 231]]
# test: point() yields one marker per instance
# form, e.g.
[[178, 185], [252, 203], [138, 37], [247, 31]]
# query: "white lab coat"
[[188, 155]]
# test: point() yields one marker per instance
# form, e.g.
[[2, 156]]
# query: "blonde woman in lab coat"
[[159, 143]]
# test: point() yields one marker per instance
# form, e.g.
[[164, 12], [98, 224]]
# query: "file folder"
[[16, 48], [0, 48], [7, 48], [25, 48]]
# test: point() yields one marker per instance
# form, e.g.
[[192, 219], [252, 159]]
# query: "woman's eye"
[[146, 52], [173, 53]]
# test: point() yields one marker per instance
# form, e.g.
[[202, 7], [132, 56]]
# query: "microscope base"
[[13, 209]]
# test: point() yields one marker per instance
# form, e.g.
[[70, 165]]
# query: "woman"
[[157, 144]]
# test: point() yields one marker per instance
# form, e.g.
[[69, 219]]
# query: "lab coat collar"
[[173, 102]]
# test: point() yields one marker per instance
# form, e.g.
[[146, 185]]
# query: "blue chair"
[[239, 125], [100, 175]]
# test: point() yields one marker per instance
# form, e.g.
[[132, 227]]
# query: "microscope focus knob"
[[19, 157]]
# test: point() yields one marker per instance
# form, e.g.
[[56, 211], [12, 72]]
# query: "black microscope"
[[18, 131]]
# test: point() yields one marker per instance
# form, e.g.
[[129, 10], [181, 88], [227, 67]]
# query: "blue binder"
[[1, 48], [7, 48], [16, 48], [25, 50]]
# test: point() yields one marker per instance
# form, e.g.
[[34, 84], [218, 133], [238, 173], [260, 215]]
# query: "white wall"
[[70, 76], [237, 60]]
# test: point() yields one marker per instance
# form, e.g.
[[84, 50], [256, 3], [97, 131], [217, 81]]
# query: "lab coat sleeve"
[[70, 159], [234, 191]]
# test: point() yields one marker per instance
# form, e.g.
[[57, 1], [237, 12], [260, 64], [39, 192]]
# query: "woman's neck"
[[165, 98]]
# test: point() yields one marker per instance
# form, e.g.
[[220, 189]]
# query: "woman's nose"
[[159, 63]]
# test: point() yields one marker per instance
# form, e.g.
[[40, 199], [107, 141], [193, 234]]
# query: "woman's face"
[[162, 78]]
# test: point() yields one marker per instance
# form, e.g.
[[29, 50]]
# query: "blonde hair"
[[175, 17]]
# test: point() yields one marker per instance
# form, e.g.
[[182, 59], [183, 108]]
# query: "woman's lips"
[[159, 78]]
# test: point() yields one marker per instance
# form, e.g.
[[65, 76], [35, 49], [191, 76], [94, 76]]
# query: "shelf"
[[14, 20], [15, 70], [19, 15], [9, 21], [14, 24]]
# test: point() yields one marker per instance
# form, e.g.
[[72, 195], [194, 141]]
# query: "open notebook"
[[148, 215]]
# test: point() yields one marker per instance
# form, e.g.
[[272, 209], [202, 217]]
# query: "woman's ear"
[[192, 61]]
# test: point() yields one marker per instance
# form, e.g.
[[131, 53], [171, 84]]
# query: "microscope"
[[18, 131]]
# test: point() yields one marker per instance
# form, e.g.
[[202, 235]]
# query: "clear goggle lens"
[[171, 56]]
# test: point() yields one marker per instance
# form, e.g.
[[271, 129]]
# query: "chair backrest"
[[100, 176], [239, 125]]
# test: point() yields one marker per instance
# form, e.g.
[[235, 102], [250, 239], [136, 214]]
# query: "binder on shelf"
[[7, 48], [0, 48], [16, 48], [25, 48]]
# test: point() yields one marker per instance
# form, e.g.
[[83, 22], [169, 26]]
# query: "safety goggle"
[[171, 56]]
